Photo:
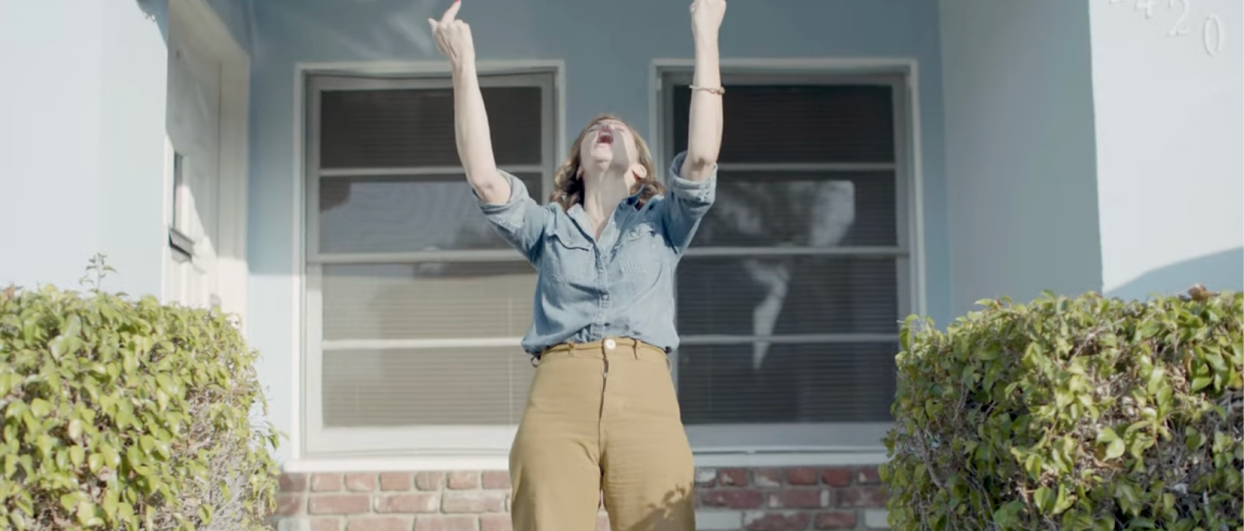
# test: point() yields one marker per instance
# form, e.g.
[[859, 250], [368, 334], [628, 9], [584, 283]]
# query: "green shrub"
[[122, 414], [1084, 413]]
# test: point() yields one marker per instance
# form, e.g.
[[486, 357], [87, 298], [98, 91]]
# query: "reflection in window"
[[410, 214], [786, 314]]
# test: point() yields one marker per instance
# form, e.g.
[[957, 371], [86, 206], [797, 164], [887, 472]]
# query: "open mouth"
[[604, 137]]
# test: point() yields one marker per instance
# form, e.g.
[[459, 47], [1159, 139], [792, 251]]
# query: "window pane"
[[391, 388], [785, 383], [774, 209], [386, 215], [799, 123], [787, 295], [415, 127], [428, 300]]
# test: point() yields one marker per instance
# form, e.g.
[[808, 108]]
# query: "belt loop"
[[635, 348]]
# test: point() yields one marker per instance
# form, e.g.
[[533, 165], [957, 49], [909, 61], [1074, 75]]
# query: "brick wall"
[[729, 499]]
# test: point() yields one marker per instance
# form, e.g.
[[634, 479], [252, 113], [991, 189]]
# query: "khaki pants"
[[602, 416]]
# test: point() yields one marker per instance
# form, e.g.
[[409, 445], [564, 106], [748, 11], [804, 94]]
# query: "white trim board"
[[819, 65], [417, 68], [298, 265], [501, 462], [206, 29]]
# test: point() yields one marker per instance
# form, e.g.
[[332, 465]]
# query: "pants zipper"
[[603, 384]]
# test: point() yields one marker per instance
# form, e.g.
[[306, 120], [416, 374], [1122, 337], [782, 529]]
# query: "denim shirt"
[[621, 285]]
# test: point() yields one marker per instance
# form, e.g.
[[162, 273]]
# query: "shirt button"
[[610, 344], [605, 296]]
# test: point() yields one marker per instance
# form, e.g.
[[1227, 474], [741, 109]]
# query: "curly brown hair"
[[568, 185]]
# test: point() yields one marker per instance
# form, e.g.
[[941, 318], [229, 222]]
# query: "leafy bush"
[[122, 414], [1072, 414]]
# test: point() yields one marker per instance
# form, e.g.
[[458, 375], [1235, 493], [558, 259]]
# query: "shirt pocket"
[[572, 258], [640, 249]]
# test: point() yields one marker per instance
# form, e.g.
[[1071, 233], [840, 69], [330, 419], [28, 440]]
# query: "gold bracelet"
[[718, 91]]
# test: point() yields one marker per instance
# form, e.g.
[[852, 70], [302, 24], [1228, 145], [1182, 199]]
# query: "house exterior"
[[293, 162]]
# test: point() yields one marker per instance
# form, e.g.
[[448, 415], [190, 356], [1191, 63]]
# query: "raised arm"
[[693, 180], [704, 131], [503, 198], [453, 38]]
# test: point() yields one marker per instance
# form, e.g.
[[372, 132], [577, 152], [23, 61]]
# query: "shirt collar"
[[633, 199]]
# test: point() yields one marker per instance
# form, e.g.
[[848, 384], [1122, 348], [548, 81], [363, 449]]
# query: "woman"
[[602, 413]]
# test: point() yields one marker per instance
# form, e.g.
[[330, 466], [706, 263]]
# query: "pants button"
[[610, 344]]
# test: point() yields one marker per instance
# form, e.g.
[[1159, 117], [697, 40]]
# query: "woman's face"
[[608, 143]]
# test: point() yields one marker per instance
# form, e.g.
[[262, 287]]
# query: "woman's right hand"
[[453, 37]]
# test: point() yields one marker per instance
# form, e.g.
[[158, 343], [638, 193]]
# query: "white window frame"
[[467, 442], [720, 441]]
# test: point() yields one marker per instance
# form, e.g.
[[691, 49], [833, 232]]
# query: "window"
[[181, 244], [415, 306], [790, 298]]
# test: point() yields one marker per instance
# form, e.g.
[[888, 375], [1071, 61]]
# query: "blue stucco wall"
[[1020, 153], [238, 16], [607, 48]]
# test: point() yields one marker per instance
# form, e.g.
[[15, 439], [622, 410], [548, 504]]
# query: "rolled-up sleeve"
[[520, 220], [687, 203]]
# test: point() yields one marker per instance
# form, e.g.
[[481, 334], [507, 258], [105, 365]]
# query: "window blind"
[[422, 302], [789, 299], [415, 127]]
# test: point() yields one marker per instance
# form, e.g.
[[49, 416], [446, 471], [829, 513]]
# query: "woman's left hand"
[[706, 16]]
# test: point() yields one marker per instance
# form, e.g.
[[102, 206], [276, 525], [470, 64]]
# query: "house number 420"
[[1212, 35]]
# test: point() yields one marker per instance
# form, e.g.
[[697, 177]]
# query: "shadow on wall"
[[676, 511], [157, 11], [237, 15], [239, 18], [1218, 272], [391, 29]]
